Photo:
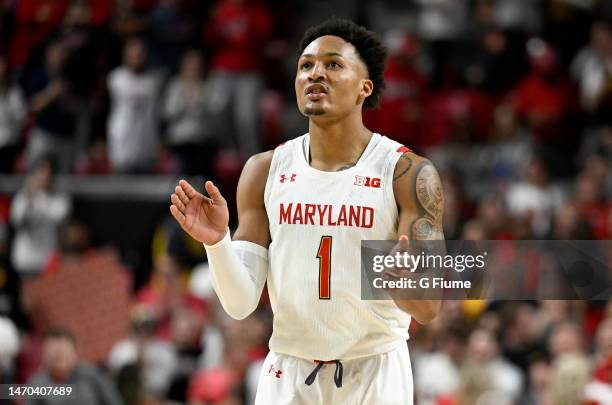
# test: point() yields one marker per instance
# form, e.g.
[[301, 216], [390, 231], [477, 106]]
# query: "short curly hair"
[[368, 46]]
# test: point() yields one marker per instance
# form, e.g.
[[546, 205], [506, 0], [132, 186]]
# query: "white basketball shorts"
[[384, 379]]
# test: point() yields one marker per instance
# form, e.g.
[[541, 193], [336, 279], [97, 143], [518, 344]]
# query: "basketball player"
[[303, 210]]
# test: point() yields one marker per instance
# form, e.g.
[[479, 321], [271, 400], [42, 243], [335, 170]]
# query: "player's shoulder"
[[409, 162], [414, 173], [407, 159], [290, 144], [256, 169], [260, 161], [253, 179]]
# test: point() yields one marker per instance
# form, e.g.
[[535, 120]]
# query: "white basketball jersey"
[[317, 222]]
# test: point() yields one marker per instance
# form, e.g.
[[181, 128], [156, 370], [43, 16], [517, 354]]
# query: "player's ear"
[[366, 88]]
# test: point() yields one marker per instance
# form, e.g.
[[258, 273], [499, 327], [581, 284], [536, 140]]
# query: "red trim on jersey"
[[403, 149]]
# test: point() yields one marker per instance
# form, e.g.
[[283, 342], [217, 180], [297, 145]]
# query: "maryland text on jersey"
[[326, 215]]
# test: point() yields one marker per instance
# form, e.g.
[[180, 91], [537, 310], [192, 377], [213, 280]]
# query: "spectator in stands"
[[590, 201], [596, 153], [12, 114], [399, 115], [133, 123], [570, 375], [517, 15], [476, 387], [215, 386], [61, 365], [485, 54], [591, 67], [493, 216], [568, 224], [187, 327], [9, 347], [188, 132], [95, 160], [534, 198], [167, 292], [226, 382], [143, 364], [474, 229], [545, 96], [523, 336], [483, 352], [599, 389], [78, 39], [74, 244], [55, 109], [237, 33], [36, 20], [440, 22], [566, 337], [36, 213], [539, 375], [512, 145], [437, 373], [172, 26], [603, 342], [130, 17]]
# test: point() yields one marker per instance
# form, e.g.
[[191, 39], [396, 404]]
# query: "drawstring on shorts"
[[337, 375]]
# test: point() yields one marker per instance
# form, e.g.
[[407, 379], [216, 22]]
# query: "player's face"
[[331, 79]]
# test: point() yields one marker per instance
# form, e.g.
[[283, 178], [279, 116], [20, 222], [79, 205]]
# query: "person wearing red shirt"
[[36, 20], [237, 33]]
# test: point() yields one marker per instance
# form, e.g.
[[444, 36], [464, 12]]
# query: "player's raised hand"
[[204, 218]]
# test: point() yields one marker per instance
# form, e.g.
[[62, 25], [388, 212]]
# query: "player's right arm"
[[239, 268]]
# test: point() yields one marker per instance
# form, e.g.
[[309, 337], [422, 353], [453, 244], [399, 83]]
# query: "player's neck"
[[337, 146]]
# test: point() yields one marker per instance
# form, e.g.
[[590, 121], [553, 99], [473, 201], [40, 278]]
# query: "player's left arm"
[[420, 200]]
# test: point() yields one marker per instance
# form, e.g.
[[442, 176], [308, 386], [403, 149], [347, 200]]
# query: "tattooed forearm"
[[422, 228], [406, 169], [429, 201]]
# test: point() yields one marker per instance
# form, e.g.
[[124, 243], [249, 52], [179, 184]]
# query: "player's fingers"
[[213, 192], [188, 188], [178, 215], [181, 194], [177, 202], [403, 244]]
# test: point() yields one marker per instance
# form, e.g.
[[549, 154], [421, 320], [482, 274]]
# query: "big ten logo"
[[367, 181]]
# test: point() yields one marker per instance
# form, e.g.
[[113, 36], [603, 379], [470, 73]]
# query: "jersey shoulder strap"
[[284, 155]]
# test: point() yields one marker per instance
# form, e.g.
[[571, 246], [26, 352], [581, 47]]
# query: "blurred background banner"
[[492, 270], [90, 297]]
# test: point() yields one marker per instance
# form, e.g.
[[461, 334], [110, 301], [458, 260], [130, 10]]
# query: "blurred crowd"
[[511, 99]]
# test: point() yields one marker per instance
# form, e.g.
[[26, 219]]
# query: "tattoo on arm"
[[429, 201], [423, 228], [407, 167]]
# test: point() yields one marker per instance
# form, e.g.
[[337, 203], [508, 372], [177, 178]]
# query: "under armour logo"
[[277, 373], [291, 178]]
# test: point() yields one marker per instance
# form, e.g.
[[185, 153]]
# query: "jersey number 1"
[[324, 256]]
